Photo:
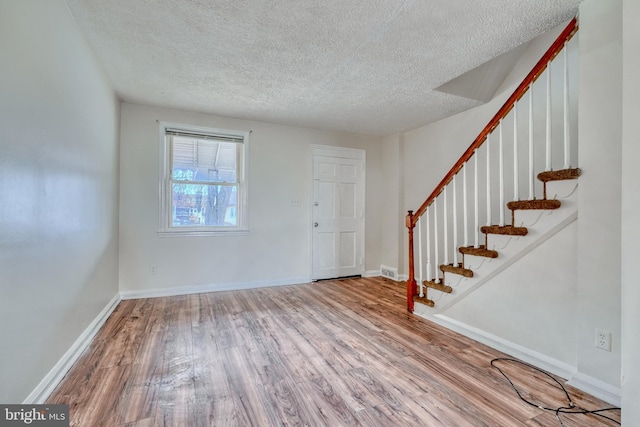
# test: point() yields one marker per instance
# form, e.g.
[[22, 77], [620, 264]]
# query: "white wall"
[[277, 248], [58, 191], [599, 205], [533, 303], [630, 337], [392, 193]]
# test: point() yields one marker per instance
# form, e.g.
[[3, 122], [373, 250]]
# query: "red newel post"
[[411, 282]]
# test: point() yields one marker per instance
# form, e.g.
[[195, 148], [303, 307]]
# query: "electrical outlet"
[[603, 339], [153, 269]]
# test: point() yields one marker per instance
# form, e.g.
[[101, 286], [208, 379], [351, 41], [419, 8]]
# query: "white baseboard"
[[525, 354], [371, 273], [583, 382], [42, 391], [214, 287], [597, 388]]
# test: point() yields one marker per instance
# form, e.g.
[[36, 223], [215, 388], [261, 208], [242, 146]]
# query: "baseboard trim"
[[213, 287], [42, 391], [586, 383], [371, 273], [597, 388], [535, 358]]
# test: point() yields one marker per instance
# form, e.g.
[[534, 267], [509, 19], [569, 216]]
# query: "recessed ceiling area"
[[482, 82], [369, 67]]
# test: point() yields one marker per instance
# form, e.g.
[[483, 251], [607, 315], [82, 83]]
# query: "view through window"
[[204, 185]]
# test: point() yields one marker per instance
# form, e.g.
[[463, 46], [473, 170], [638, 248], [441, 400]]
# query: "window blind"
[[206, 136]]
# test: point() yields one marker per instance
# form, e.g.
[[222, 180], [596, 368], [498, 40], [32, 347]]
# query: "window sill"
[[202, 233]]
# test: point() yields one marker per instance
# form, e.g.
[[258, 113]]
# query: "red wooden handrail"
[[413, 218], [533, 75]]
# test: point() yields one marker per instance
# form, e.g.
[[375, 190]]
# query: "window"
[[203, 186]]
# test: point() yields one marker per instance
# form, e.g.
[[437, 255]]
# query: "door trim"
[[345, 153]]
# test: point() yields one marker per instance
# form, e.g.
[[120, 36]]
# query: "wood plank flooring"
[[331, 353]]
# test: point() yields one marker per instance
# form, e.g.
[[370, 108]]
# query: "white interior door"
[[338, 214]]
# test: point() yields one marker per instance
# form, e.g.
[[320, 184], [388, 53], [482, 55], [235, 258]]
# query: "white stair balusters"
[[532, 194], [465, 209], [428, 246], [501, 172], [516, 170], [488, 143], [436, 243], [445, 229], [567, 153], [548, 121], [455, 222], [476, 201]]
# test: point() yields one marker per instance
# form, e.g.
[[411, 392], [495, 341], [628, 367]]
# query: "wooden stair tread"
[[423, 300], [449, 268], [479, 251], [559, 175], [438, 286], [508, 230], [543, 204]]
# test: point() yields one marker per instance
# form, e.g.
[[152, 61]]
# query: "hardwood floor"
[[331, 353]]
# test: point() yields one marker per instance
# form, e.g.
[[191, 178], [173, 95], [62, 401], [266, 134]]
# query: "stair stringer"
[[542, 225]]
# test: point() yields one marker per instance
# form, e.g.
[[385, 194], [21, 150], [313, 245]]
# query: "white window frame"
[[166, 228]]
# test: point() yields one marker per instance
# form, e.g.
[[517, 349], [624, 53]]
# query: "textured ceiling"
[[363, 66]]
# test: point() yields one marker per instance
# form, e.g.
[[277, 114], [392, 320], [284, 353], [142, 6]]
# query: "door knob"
[[315, 224]]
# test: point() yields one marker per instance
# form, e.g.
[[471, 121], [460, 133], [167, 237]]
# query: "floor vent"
[[389, 272]]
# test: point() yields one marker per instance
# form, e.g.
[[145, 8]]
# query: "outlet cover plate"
[[603, 339]]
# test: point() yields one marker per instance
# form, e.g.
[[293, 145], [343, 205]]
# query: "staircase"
[[477, 266], [532, 128]]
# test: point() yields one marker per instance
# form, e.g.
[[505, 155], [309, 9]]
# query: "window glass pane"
[[203, 160], [203, 185], [199, 205]]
